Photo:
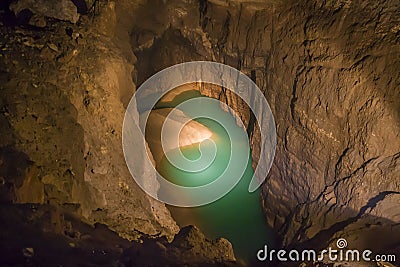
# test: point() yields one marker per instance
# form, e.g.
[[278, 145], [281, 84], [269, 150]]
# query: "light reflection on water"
[[238, 215]]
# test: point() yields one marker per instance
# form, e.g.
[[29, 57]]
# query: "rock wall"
[[62, 119], [329, 70], [330, 73]]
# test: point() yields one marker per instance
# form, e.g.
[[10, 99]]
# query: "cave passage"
[[238, 215]]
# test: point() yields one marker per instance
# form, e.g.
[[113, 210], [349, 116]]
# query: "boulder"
[[62, 9]]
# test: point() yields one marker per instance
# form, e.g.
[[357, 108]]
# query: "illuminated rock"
[[190, 133], [172, 97]]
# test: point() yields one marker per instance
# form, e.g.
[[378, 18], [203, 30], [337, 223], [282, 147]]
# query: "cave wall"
[[337, 159], [61, 120], [330, 73]]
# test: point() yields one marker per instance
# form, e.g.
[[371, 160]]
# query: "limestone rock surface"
[[61, 9]]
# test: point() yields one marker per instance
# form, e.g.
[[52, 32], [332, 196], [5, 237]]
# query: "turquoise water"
[[238, 215]]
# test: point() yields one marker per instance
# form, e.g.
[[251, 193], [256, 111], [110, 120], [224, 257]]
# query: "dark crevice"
[[299, 71], [323, 237], [362, 167], [203, 20], [252, 120], [81, 6], [339, 161], [224, 33]]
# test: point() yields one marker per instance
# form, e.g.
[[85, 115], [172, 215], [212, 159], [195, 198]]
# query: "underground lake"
[[238, 215]]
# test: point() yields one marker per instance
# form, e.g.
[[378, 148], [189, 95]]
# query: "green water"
[[238, 215]]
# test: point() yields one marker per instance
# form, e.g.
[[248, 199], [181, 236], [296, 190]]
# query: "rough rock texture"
[[330, 73], [162, 121], [61, 122], [189, 247], [38, 235], [62, 9], [329, 69], [44, 235]]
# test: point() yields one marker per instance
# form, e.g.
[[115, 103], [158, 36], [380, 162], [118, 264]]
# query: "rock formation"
[[163, 121], [329, 70]]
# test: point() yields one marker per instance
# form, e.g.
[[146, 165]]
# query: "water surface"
[[238, 215]]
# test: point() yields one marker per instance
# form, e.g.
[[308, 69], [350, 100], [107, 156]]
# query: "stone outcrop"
[[62, 120], [63, 9], [45, 235], [163, 121], [190, 247], [329, 70]]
